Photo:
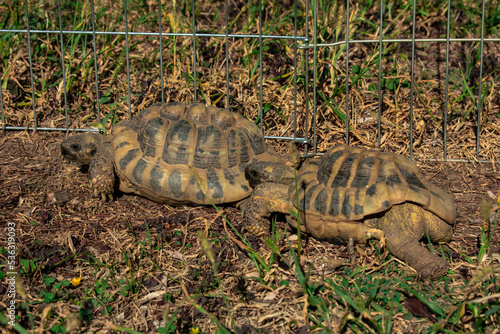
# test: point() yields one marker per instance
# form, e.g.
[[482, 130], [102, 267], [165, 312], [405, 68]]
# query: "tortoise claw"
[[255, 228], [103, 188]]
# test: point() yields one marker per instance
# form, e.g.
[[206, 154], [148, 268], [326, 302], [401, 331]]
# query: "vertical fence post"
[[447, 75], [315, 72], [125, 5], [347, 74], [311, 103], [63, 66], [32, 78], [161, 52], [380, 45], [193, 12], [260, 68], [295, 51], [227, 54], [306, 79], [412, 75], [95, 63], [480, 94]]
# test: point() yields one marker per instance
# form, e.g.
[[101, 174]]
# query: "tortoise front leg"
[[102, 172], [265, 199], [404, 225]]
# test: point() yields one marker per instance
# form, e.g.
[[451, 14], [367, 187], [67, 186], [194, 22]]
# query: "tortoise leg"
[[404, 225], [265, 199], [102, 172]]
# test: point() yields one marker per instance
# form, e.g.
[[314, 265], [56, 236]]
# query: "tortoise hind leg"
[[404, 225], [438, 229]]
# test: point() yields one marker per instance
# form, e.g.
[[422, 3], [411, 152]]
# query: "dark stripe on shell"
[[344, 172], [180, 129], [150, 130], [156, 177], [150, 151], [178, 132], [139, 170], [298, 193], [209, 145], [415, 189], [200, 196], [367, 162], [320, 204], [371, 190], [213, 182], [412, 179], [381, 176], [257, 142], [237, 147], [358, 209], [363, 173], [334, 209], [123, 163], [305, 202], [326, 166], [357, 199], [230, 176], [174, 184], [122, 144], [346, 206], [393, 180], [437, 195]]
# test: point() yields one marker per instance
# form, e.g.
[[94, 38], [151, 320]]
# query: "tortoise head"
[[274, 172], [81, 148]]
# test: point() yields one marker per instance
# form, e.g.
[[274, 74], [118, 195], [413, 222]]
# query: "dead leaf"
[[418, 309], [150, 296]]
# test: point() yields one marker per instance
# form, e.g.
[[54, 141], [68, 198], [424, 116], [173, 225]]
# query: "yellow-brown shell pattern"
[[187, 153], [350, 183]]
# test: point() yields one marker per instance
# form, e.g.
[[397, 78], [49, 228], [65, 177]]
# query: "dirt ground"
[[60, 223]]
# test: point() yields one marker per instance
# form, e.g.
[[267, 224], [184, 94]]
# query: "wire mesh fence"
[[401, 76]]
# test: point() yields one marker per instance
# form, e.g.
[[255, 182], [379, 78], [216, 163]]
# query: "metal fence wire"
[[326, 47]]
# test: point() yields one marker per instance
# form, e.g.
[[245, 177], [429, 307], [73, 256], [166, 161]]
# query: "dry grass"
[[144, 265]]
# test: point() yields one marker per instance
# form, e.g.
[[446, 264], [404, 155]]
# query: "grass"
[[362, 299], [211, 294], [144, 51]]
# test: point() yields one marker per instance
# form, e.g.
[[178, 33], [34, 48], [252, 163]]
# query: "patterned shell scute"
[[349, 183], [184, 153]]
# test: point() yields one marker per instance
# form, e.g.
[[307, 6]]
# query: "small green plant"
[[28, 267], [100, 296], [58, 290]]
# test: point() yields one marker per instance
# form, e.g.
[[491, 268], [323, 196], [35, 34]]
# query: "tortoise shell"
[[188, 153], [350, 183]]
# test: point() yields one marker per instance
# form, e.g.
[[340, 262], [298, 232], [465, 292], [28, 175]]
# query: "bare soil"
[[74, 234]]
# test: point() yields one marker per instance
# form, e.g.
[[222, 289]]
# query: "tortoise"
[[355, 194], [175, 154]]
